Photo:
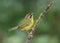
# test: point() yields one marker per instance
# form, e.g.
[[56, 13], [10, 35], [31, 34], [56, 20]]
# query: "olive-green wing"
[[24, 23]]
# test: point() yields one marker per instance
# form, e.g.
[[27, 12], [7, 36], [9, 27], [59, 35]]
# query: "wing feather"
[[25, 22]]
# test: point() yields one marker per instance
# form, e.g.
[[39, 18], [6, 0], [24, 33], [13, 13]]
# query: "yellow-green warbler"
[[25, 24]]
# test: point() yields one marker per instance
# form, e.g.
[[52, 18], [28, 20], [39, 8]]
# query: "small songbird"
[[25, 24]]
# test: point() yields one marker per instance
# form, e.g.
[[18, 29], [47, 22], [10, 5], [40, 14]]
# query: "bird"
[[25, 24]]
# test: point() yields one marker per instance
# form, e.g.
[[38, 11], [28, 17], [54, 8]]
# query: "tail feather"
[[14, 28]]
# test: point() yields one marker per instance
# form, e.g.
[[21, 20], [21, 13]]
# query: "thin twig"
[[37, 22]]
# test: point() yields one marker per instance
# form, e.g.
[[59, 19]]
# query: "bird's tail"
[[14, 28]]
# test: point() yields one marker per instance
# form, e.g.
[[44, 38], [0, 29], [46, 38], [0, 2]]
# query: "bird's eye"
[[30, 16]]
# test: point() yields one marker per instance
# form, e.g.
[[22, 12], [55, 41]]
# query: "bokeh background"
[[12, 11]]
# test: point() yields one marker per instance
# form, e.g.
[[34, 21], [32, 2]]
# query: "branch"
[[37, 22]]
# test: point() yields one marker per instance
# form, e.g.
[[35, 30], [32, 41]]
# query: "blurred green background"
[[12, 11]]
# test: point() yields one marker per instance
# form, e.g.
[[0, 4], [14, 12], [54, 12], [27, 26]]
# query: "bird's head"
[[29, 15]]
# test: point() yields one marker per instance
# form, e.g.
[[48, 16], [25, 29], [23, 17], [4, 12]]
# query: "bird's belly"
[[27, 27]]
